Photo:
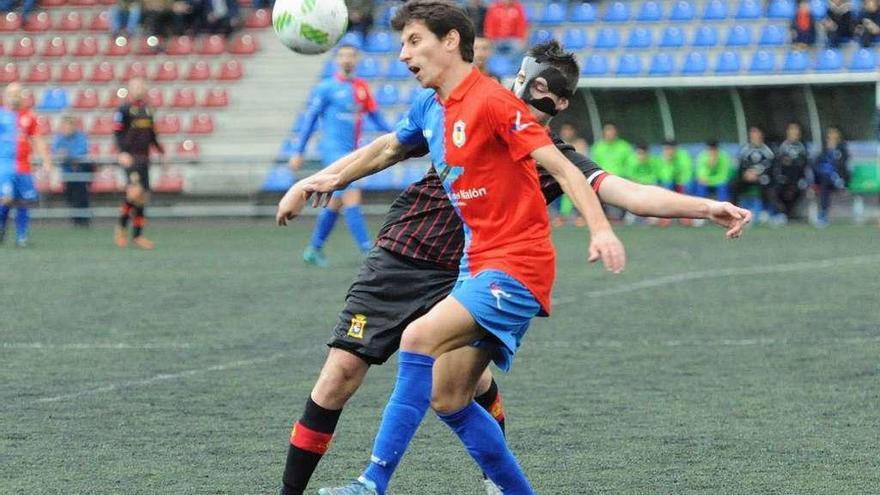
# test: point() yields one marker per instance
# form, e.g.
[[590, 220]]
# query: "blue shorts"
[[18, 188], [503, 307], [327, 159]]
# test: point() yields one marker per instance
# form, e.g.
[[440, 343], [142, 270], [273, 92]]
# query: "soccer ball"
[[310, 26]]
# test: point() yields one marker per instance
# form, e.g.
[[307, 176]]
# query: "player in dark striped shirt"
[[415, 262]]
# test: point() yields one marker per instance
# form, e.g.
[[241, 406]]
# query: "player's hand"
[[606, 246], [729, 216], [125, 159], [296, 162], [320, 187], [290, 205]]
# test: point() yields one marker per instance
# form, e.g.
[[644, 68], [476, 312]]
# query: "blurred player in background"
[[18, 136], [135, 132], [340, 102], [755, 171]]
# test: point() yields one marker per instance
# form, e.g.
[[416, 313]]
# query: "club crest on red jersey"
[[458, 134]]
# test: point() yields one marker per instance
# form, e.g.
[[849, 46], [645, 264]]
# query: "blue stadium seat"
[[583, 13], [749, 9], [501, 66], [796, 61], [651, 11], [368, 68], [716, 10], [695, 63], [574, 39], [53, 100], [673, 37], [863, 59], [411, 95], [388, 95], [662, 64], [540, 36], [640, 37], [595, 65], [353, 38], [385, 16], [617, 12], [397, 70], [829, 60], [820, 8], [379, 42], [763, 62], [728, 62], [607, 38], [781, 9], [554, 13], [533, 12], [629, 64], [706, 36], [772, 35], [739, 35], [682, 10]]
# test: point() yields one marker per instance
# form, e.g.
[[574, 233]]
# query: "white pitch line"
[[709, 343], [98, 346], [725, 272]]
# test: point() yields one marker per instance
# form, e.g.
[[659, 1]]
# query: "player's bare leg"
[[140, 198]]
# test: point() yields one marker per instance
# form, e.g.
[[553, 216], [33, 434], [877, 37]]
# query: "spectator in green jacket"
[[714, 168], [642, 167], [611, 152], [675, 168]]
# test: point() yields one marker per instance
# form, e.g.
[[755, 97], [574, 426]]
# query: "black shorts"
[[390, 292], [139, 173]]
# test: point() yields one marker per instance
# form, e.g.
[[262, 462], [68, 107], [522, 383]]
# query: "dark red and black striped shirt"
[[423, 225]]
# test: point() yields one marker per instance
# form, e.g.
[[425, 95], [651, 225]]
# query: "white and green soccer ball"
[[310, 26]]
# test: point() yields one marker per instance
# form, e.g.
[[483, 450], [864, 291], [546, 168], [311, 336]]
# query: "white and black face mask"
[[534, 68]]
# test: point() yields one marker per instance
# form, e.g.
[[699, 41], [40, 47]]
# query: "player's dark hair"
[[712, 143], [670, 142], [609, 123], [554, 54], [641, 145], [440, 17]]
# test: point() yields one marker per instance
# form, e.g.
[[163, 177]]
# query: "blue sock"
[[323, 227], [22, 221], [404, 412], [4, 216], [354, 218], [484, 441]]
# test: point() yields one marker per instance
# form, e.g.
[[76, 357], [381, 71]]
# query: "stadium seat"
[[9, 73], [2, 48], [22, 48], [501, 66], [583, 13], [10, 22], [728, 62], [662, 64], [102, 125], [83, 3], [52, 100], [201, 123], [695, 63], [739, 35], [820, 8], [180, 46], [117, 47], [71, 73], [772, 35], [763, 62], [94, 148], [650, 11], [539, 36], [134, 69], [368, 68], [533, 12], [595, 66], [115, 97], [829, 60], [199, 71], [716, 10], [796, 61], [640, 37], [554, 13], [259, 18], [100, 22], [38, 23], [617, 12], [166, 72], [212, 45], [169, 182], [397, 70], [167, 124], [155, 97], [54, 47], [231, 70], [242, 45], [607, 38], [52, 3], [781, 9], [387, 95], [749, 10], [673, 37], [863, 60], [103, 72], [705, 36], [574, 39], [353, 38], [412, 94], [70, 22], [682, 10], [183, 98], [86, 99], [86, 47], [39, 73], [215, 98], [629, 64], [189, 149], [105, 180], [379, 42]]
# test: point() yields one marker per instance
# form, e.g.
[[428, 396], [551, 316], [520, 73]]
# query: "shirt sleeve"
[[409, 130], [515, 125]]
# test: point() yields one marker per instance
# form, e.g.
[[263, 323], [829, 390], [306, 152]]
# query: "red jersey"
[[26, 121]]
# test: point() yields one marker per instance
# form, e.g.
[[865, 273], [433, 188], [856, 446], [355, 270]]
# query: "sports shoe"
[[492, 488], [313, 256], [21, 243], [143, 243], [360, 486], [120, 237]]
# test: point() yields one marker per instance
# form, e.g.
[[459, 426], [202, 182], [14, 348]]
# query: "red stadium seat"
[[39, 73], [179, 46], [100, 22], [231, 70], [70, 22], [212, 45], [10, 22], [187, 149], [94, 149], [155, 97], [2, 49], [86, 47], [71, 73], [168, 124], [117, 47], [184, 98], [243, 45], [169, 182], [115, 97], [147, 46], [53, 48], [201, 124], [52, 3], [215, 98], [105, 180], [22, 48], [86, 99], [83, 3], [259, 18], [166, 72], [102, 126], [103, 72], [8, 73], [199, 71], [38, 23], [134, 69]]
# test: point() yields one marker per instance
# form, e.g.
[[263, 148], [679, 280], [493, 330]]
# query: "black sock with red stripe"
[[491, 401], [125, 213], [309, 440], [138, 221]]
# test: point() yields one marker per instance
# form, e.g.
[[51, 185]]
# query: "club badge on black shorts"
[[358, 323]]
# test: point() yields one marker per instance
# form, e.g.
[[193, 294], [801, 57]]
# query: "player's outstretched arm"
[[604, 244], [653, 201]]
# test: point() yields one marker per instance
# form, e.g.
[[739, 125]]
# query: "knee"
[[340, 378], [417, 338], [449, 400]]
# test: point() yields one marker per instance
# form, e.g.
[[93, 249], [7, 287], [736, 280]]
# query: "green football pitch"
[[708, 367]]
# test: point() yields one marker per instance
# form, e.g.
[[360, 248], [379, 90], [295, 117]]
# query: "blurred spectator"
[[611, 152], [830, 171], [569, 133], [803, 26], [125, 17], [506, 25], [713, 173], [563, 209], [839, 22], [27, 6], [755, 167], [189, 16], [70, 148], [790, 171], [477, 12], [868, 27], [360, 15], [675, 168], [222, 16], [482, 53], [642, 167], [158, 18]]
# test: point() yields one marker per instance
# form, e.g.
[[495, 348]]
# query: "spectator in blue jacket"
[[71, 149], [830, 171]]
